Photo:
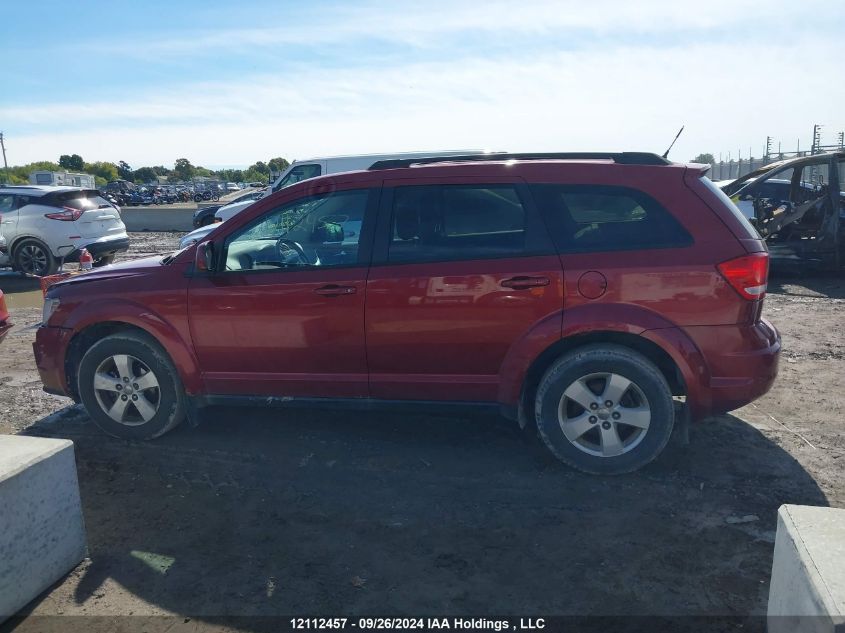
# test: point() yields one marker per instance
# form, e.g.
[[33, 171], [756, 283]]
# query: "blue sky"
[[231, 83]]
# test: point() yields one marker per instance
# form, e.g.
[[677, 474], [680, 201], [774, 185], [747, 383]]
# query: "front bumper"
[[50, 349]]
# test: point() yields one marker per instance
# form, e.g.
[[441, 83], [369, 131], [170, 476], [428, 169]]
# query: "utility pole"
[[5, 164]]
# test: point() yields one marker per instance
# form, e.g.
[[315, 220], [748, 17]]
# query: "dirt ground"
[[268, 512]]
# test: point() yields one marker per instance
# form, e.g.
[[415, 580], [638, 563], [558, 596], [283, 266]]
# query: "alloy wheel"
[[32, 259], [604, 414], [127, 390]]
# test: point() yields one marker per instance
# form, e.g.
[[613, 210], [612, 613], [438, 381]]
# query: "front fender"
[[175, 343]]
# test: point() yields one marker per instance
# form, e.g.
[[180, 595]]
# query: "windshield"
[[297, 174]]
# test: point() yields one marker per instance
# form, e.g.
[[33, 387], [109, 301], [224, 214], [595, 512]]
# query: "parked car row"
[[602, 297]]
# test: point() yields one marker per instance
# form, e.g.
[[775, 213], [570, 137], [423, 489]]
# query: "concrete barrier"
[[42, 535], [158, 218], [807, 589]]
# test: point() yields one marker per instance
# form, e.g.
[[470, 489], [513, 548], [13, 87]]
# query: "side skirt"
[[197, 403]]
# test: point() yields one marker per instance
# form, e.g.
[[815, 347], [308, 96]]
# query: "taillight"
[[67, 214], [748, 275]]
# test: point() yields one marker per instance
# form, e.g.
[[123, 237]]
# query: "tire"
[[209, 219], [600, 438], [105, 260], [33, 257], [162, 395]]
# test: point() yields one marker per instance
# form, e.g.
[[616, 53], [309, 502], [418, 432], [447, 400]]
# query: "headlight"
[[50, 306]]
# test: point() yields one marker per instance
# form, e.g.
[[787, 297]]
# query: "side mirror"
[[204, 257]]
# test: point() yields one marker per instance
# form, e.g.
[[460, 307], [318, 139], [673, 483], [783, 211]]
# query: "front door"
[[284, 313], [461, 272]]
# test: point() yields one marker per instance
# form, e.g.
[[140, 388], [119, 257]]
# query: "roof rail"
[[622, 158]]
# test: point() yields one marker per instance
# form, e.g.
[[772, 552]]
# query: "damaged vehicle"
[[798, 207]]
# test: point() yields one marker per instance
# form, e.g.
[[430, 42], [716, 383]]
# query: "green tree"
[[105, 171], [231, 175], [705, 159], [277, 165], [253, 175], [72, 161], [183, 170], [260, 167], [124, 170], [144, 174]]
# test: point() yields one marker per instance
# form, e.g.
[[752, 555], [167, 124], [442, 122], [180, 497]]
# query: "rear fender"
[[594, 320]]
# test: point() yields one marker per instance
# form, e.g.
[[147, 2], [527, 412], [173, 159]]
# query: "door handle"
[[521, 283], [333, 290]]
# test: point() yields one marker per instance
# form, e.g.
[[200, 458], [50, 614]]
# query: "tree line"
[[182, 171]]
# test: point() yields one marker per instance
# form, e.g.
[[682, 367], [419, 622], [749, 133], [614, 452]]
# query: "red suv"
[[583, 291]]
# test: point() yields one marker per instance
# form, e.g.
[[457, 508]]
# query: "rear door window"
[[584, 218], [457, 222]]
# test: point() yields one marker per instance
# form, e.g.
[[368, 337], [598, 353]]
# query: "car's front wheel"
[[34, 258], [604, 409], [130, 388]]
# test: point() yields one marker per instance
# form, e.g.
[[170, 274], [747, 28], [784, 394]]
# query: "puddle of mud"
[[21, 292]]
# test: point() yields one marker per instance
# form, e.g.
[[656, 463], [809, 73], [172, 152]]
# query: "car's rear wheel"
[[130, 388], [34, 258], [604, 409]]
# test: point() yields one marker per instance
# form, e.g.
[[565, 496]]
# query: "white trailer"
[[65, 178]]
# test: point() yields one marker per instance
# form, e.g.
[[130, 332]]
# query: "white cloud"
[[618, 97]]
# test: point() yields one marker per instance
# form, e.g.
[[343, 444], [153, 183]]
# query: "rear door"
[[465, 269]]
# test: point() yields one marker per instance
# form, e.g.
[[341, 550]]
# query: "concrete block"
[[807, 589], [42, 535], [158, 218]]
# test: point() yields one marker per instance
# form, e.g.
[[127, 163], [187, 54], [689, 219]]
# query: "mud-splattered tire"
[[130, 387], [604, 409]]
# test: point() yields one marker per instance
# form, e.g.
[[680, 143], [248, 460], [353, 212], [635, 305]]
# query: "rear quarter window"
[[744, 224], [584, 218]]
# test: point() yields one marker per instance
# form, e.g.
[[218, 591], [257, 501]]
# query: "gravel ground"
[[267, 512]]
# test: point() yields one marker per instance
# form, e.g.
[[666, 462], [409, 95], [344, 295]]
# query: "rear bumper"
[[50, 349], [742, 363]]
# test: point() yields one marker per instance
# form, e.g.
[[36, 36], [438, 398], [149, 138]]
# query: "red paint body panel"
[[5, 325], [442, 331], [295, 342]]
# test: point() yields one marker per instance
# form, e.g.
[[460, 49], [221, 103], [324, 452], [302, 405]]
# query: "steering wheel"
[[287, 248]]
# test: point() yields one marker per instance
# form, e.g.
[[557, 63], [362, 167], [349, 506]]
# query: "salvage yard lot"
[[264, 512]]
